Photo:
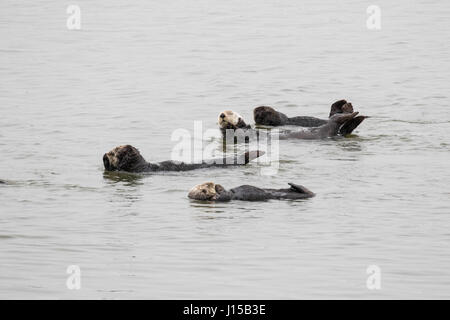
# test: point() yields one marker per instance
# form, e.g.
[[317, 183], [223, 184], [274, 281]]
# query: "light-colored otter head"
[[207, 191], [231, 120], [122, 158]]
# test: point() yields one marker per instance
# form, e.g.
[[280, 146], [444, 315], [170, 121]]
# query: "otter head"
[[341, 106], [341, 118], [231, 120], [122, 158], [267, 116], [207, 191]]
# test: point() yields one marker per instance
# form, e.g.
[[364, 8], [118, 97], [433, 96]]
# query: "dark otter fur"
[[128, 158], [340, 106], [215, 192], [330, 129], [269, 116]]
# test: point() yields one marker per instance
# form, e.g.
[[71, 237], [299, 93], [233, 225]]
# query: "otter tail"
[[301, 189], [351, 125]]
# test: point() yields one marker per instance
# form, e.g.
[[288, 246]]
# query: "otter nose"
[[222, 115]]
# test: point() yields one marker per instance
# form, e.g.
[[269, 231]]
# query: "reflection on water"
[[128, 179], [203, 203], [350, 144], [126, 189]]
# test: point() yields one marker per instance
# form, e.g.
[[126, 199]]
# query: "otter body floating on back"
[[127, 158], [215, 192], [269, 116], [338, 123], [330, 129]]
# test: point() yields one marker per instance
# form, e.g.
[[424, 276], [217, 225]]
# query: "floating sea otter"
[[127, 158], [331, 128], [231, 120], [234, 129], [215, 192], [233, 123], [270, 117], [339, 123]]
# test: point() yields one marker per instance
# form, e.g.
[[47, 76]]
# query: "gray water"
[[137, 71]]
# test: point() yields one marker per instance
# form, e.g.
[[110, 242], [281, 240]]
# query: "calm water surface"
[[135, 73]]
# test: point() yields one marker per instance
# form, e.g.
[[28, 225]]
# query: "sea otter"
[[338, 123], [269, 116], [330, 129], [231, 120], [127, 158], [233, 127], [215, 192]]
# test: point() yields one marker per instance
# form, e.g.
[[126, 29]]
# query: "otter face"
[[231, 120], [122, 158], [267, 116], [341, 106], [347, 108], [207, 191]]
